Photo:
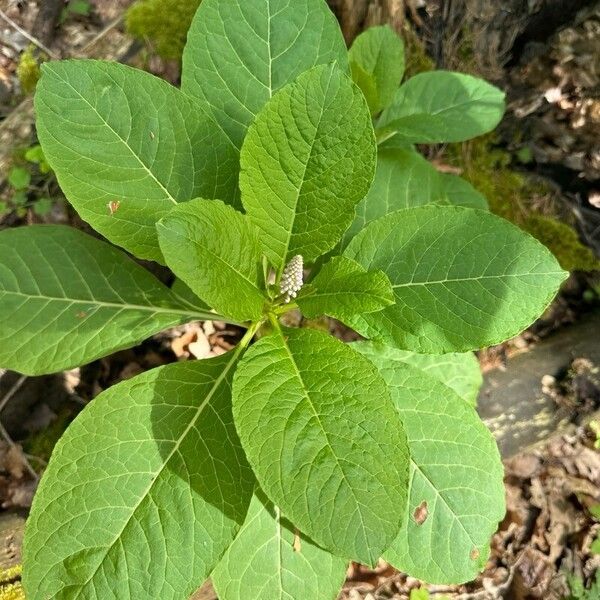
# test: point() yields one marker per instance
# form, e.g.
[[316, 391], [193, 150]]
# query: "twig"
[[101, 34], [10, 442], [27, 35], [13, 390]]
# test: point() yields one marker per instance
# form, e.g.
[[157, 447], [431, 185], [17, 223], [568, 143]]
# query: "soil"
[[551, 490]]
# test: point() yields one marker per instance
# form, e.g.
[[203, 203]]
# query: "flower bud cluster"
[[292, 278]]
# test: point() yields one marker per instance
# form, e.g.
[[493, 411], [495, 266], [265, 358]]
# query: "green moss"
[[563, 242], [10, 584], [511, 195], [41, 443], [28, 70], [417, 59], [164, 23]]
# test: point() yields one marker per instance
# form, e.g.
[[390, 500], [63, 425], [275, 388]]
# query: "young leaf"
[[459, 371], [19, 178], [67, 299], [308, 159], [271, 559], [117, 136], [343, 288], [324, 440], [456, 488], [442, 106], [462, 278], [238, 54], [215, 250], [377, 64], [144, 492], [404, 179]]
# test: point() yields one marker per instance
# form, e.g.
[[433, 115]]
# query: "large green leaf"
[[215, 250], [238, 54], [67, 299], [144, 492], [324, 440], [404, 179], [442, 106], [462, 278], [343, 288], [377, 64], [127, 147], [456, 488], [270, 560], [307, 160]]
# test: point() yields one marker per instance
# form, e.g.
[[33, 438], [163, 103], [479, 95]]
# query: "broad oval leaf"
[[456, 487], [238, 54], [308, 159], [462, 278], [404, 179], [442, 106], [67, 298], [324, 440], [377, 65], [270, 559], [343, 288], [127, 147], [144, 492], [216, 251]]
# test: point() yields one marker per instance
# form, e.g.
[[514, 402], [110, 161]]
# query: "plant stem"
[[249, 335]]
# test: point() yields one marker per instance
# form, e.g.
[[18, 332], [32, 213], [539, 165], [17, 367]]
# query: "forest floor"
[[544, 549]]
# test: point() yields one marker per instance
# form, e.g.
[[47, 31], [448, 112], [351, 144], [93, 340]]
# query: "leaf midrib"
[[316, 414], [290, 230], [102, 304], [218, 381], [463, 279]]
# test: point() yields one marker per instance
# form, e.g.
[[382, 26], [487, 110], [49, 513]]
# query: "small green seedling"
[[28, 189], [262, 185]]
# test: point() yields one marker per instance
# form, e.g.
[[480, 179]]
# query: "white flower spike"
[[292, 278]]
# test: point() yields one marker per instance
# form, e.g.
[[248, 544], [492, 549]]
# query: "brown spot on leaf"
[[297, 541], [113, 206], [421, 513], [81, 315], [152, 135], [474, 554]]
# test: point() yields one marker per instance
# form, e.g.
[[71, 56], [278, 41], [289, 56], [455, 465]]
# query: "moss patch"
[[28, 70], [10, 584], [515, 197], [41, 443], [164, 23]]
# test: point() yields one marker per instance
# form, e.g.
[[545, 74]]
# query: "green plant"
[[28, 183], [271, 466], [578, 590], [28, 69], [75, 8], [164, 23], [595, 427]]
